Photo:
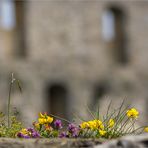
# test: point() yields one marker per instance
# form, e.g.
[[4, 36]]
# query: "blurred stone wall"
[[64, 46]]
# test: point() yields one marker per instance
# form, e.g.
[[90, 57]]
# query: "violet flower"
[[63, 135], [29, 133], [21, 135], [34, 133], [58, 124], [73, 130]]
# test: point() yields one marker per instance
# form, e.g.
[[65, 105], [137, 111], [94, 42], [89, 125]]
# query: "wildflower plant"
[[44, 127], [28, 133], [49, 127], [14, 127], [9, 125], [115, 124]]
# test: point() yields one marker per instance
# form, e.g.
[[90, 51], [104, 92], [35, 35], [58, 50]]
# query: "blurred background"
[[70, 54]]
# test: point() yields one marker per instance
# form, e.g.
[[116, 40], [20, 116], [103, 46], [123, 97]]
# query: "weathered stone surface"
[[125, 142], [140, 141], [45, 143]]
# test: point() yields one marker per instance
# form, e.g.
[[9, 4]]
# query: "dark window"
[[57, 98], [100, 90]]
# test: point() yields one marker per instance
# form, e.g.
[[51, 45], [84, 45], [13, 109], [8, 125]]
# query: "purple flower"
[[73, 130], [20, 135], [29, 133], [34, 134], [26, 136], [63, 135], [58, 124]]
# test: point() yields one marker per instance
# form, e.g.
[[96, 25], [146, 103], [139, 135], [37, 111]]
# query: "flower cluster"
[[72, 131], [45, 127], [28, 133], [112, 125], [95, 126], [44, 118], [48, 127]]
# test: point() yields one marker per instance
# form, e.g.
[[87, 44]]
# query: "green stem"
[[9, 98]]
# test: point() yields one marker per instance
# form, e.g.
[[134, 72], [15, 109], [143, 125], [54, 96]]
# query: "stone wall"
[[64, 45], [140, 141]]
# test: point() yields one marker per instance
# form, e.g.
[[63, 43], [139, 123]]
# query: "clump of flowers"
[[72, 131], [113, 124], [46, 127], [28, 133], [91, 129], [44, 119]]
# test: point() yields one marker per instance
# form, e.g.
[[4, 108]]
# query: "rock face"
[[125, 142], [140, 141], [46, 143]]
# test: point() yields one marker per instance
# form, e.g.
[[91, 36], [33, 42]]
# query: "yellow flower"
[[92, 124], [100, 124], [146, 129], [102, 132], [41, 120], [24, 131], [132, 113], [95, 124], [44, 118], [49, 119], [84, 125], [36, 125], [111, 123], [41, 115]]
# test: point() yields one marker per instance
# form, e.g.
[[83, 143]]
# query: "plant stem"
[[9, 105], [9, 98]]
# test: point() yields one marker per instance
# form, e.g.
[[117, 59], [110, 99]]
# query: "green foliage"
[[15, 126], [11, 126], [51, 134]]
